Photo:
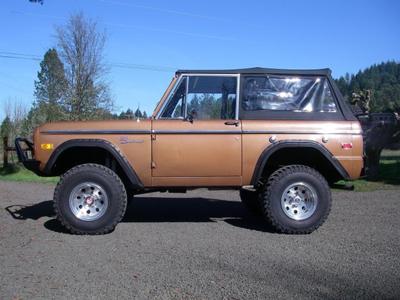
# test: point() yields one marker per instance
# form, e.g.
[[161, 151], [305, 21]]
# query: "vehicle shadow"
[[158, 210], [33, 212]]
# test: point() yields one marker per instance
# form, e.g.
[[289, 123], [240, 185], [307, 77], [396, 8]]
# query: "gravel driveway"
[[199, 245]]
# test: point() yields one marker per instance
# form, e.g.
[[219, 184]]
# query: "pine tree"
[[5, 127], [138, 113], [50, 88], [126, 115], [384, 82], [129, 113]]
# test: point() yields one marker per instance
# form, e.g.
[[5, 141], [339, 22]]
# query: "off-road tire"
[[251, 200], [104, 177], [274, 189]]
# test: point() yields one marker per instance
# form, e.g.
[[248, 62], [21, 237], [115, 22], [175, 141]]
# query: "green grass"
[[389, 174], [17, 172]]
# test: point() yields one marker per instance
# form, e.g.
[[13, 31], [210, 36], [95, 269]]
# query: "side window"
[[211, 97], [287, 93], [175, 108], [327, 101]]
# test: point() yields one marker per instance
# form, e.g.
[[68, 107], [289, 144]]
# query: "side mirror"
[[190, 116]]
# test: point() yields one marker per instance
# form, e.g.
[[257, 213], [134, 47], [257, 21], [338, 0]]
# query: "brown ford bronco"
[[281, 137]]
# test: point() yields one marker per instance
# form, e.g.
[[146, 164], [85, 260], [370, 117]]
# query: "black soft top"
[[343, 105], [258, 70]]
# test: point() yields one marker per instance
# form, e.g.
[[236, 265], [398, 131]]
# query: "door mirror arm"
[[189, 118]]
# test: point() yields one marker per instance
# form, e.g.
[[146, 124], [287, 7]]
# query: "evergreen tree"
[[384, 82], [126, 115], [5, 128], [50, 88], [129, 113], [138, 113]]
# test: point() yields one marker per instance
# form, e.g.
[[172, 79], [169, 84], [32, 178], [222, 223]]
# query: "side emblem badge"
[[126, 140]]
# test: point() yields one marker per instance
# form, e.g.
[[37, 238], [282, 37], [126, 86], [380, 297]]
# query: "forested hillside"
[[382, 79]]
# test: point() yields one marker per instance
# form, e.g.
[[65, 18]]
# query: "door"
[[196, 138]]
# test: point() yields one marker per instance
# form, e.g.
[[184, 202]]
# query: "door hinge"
[[153, 137], [153, 165]]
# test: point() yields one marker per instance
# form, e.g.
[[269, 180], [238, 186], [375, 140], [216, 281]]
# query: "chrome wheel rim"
[[299, 201], [88, 201]]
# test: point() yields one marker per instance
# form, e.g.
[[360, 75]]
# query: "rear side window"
[[288, 93]]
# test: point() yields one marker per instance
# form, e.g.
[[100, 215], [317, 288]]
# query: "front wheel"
[[296, 199], [90, 199]]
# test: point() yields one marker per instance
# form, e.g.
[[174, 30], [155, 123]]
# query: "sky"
[[154, 38]]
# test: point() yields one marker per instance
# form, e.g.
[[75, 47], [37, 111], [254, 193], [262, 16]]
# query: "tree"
[[126, 115], [129, 114], [138, 113], [51, 86], [378, 89], [384, 82], [34, 118], [81, 48], [50, 90], [5, 127], [11, 127]]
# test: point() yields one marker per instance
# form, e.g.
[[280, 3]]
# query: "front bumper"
[[25, 152]]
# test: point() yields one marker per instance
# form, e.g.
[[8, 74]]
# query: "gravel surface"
[[198, 245]]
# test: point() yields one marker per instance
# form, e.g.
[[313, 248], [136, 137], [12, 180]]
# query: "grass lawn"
[[389, 174], [17, 172]]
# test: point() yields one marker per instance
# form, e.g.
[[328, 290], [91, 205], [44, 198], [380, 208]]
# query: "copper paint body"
[[201, 153]]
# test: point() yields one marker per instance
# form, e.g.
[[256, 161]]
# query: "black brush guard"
[[25, 152]]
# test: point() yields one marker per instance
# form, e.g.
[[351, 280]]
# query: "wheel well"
[[74, 156], [307, 156]]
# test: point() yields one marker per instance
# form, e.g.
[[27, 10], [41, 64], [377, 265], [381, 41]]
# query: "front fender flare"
[[98, 143]]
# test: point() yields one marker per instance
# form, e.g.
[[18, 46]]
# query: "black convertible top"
[[344, 107], [258, 70]]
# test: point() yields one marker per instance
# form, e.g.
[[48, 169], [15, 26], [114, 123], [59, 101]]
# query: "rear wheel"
[[296, 199], [90, 199]]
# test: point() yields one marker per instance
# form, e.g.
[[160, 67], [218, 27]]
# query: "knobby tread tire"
[[115, 184], [267, 198]]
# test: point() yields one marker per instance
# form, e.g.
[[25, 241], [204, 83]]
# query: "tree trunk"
[[5, 152]]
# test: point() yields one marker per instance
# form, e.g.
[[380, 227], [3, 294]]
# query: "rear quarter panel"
[[256, 135]]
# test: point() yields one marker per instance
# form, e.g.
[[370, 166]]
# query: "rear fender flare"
[[267, 153]]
